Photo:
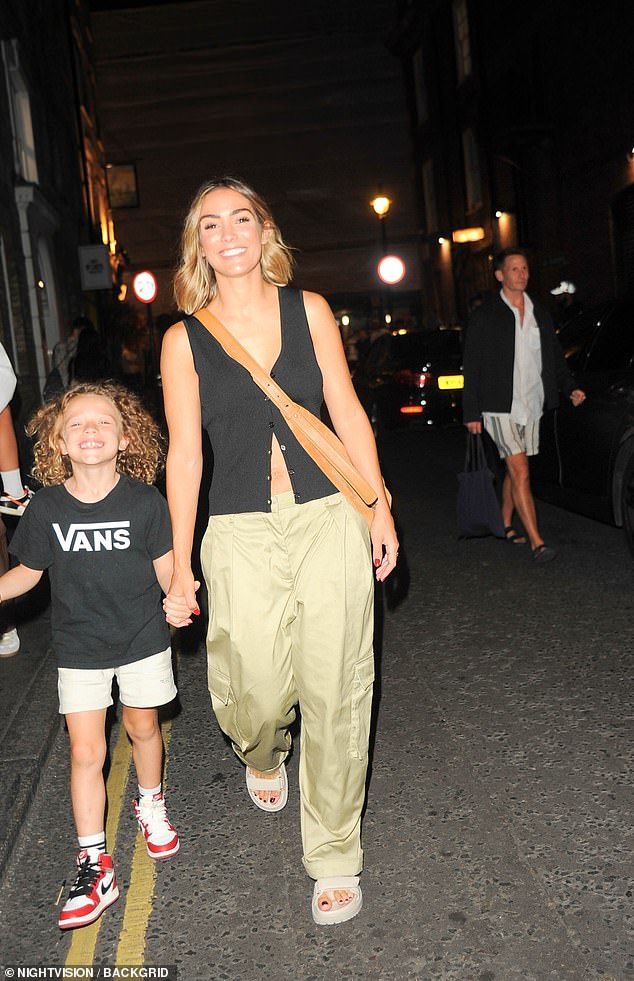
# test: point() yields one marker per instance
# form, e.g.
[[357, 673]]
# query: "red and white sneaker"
[[15, 506], [161, 838], [94, 890]]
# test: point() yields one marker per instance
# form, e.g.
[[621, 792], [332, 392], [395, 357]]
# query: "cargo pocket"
[[361, 707], [219, 686]]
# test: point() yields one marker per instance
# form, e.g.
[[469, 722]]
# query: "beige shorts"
[[143, 684], [511, 438]]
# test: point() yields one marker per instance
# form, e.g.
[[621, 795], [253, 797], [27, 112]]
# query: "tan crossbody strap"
[[321, 444], [235, 350]]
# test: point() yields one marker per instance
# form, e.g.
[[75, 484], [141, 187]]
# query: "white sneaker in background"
[[9, 643]]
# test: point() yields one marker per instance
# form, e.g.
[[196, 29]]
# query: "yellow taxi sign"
[[450, 381]]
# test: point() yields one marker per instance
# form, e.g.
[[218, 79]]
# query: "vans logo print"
[[94, 537]]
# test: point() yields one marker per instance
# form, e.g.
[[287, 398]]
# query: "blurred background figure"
[[133, 362], [14, 498], [64, 353], [90, 362], [568, 306]]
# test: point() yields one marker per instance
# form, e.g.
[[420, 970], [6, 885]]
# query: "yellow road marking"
[[139, 900], [82, 948]]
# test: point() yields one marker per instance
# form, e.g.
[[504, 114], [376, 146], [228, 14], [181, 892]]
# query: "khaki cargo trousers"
[[291, 622]]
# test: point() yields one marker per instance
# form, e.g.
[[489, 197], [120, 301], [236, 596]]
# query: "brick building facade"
[[52, 184]]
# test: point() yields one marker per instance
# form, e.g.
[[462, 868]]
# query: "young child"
[[105, 537]]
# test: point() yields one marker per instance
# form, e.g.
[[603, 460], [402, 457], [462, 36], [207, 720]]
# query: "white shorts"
[[511, 438], [142, 684]]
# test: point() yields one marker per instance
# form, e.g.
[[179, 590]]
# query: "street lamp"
[[380, 206], [145, 289]]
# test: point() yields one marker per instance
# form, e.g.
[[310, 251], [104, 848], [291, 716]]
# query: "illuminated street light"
[[380, 205]]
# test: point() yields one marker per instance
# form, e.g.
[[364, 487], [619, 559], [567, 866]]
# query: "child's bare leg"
[[95, 887], [87, 731], [142, 726], [12, 482], [8, 442]]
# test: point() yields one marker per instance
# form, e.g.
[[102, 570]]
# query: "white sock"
[[95, 845], [12, 483], [148, 791]]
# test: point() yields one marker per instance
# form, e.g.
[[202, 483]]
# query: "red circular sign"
[[144, 286], [391, 269]]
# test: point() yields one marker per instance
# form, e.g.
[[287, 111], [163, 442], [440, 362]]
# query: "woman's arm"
[[184, 457], [17, 581], [175, 613], [351, 425]]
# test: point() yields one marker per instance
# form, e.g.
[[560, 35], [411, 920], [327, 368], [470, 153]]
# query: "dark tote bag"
[[478, 507]]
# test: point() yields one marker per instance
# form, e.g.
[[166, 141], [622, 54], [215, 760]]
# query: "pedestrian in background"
[[287, 561], [64, 352], [104, 536], [513, 367], [90, 362], [15, 495]]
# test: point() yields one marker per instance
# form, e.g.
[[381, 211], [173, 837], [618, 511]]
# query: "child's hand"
[[177, 611]]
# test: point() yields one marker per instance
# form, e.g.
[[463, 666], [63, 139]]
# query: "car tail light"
[[411, 410], [415, 379]]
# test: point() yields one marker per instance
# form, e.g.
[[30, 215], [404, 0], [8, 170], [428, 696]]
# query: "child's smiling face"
[[92, 430]]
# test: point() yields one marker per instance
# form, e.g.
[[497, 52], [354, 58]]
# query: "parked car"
[[412, 378], [586, 457]]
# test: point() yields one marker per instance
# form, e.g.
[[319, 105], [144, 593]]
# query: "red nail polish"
[[377, 563], [196, 612]]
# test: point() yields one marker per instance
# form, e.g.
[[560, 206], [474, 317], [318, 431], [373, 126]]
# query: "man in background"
[[513, 368]]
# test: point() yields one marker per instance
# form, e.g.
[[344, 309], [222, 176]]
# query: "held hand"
[[577, 397], [384, 544], [180, 602], [474, 427]]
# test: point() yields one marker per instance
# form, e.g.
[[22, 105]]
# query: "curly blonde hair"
[[143, 457], [195, 281]]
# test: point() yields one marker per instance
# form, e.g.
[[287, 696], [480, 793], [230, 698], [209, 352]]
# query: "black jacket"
[[489, 354]]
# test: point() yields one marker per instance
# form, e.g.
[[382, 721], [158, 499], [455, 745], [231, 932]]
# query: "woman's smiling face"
[[231, 236]]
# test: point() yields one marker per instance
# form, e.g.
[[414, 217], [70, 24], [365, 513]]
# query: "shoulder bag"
[[478, 509]]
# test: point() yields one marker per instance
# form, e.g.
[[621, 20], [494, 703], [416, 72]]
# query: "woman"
[[286, 559]]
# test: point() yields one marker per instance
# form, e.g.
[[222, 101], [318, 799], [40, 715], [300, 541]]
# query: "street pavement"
[[498, 829]]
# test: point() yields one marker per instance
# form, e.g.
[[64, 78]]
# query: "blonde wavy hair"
[[195, 281], [142, 458]]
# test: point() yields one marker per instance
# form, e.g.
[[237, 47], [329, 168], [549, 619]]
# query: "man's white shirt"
[[528, 389]]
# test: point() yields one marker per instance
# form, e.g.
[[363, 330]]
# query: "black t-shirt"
[[105, 598]]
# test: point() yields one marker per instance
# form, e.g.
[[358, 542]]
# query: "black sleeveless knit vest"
[[241, 420]]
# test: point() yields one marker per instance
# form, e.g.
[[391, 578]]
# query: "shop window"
[[20, 112], [462, 39]]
